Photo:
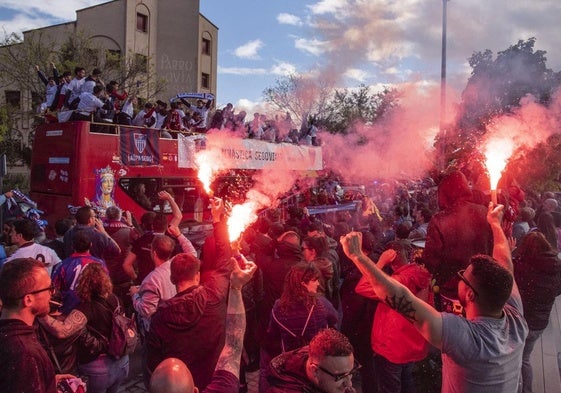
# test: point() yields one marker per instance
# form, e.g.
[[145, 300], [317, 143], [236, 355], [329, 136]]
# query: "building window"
[[141, 62], [94, 56], [141, 22], [36, 99], [13, 98], [112, 58], [205, 80], [206, 46]]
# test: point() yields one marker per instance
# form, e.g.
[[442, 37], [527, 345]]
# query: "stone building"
[[176, 41]]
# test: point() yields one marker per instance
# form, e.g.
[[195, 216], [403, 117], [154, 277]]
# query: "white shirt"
[[74, 87], [37, 251], [89, 103], [140, 121], [160, 120], [87, 86], [204, 114]]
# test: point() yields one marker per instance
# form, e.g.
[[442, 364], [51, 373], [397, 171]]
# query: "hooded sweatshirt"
[[287, 373], [26, 366]]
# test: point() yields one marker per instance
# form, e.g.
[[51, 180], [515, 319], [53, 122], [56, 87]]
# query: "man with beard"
[[483, 351], [25, 291], [327, 365]]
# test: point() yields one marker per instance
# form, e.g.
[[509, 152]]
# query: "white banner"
[[250, 153]]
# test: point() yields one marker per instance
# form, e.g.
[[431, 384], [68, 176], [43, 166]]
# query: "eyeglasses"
[[338, 377], [460, 274], [51, 289]]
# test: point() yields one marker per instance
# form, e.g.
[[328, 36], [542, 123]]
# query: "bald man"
[[173, 376]]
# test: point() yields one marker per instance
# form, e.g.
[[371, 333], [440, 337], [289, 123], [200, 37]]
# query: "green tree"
[[298, 95], [349, 107], [497, 84], [335, 110], [540, 168], [11, 140]]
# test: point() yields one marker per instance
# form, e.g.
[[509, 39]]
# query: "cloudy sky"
[[372, 42]]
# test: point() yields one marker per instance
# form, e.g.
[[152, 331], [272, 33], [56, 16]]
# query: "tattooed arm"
[[73, 323], [230, 356], [425, 318]]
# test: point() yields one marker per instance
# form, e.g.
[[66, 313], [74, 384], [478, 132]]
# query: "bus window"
[[141, 190], [144, 191]]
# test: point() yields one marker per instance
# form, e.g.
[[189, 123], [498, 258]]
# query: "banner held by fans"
[[139, 146], [251, 153]]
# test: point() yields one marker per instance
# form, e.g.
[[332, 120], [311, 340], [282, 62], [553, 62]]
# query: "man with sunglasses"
[[327, 365], [25, 291], [483, 351]]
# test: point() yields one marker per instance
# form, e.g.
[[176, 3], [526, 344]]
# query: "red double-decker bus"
[[72, 166]]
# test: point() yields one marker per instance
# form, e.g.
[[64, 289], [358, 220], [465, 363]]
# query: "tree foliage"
[[497, 84], [17, 59], [495, 88], [349, 107], [336, 110], [11, 140], [539, 169], [298, 95]]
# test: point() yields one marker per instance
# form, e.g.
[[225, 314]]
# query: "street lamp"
[[443, 68]]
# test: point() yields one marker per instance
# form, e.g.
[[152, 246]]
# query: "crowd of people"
[[314, 302], [82, 97]]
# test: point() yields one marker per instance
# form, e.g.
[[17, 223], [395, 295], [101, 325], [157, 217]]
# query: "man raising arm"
[[483, 351], [172, 375]]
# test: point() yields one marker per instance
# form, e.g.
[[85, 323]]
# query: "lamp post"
[[443, 68], [442, 135]]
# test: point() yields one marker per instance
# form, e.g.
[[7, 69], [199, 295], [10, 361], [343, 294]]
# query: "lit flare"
[[497, 152], [240, 218], [205, 171]]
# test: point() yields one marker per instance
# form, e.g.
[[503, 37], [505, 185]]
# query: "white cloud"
[[41, 13], [283, 68], [356, 74], [250, 107], [280, 68], [314, 47], [392, 71], [328, 6], [19, 24], [241, 71], [289, 19], [249, 50]]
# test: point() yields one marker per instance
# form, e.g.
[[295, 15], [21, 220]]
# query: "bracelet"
[[237, 288]]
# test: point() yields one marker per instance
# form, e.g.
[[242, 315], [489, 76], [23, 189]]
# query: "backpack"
[[124, 334], [124, 338]]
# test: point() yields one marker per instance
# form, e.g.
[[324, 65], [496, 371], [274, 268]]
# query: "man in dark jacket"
[[537, 270], [25, 291], [456, 233], [191, 325], [325, 366]]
